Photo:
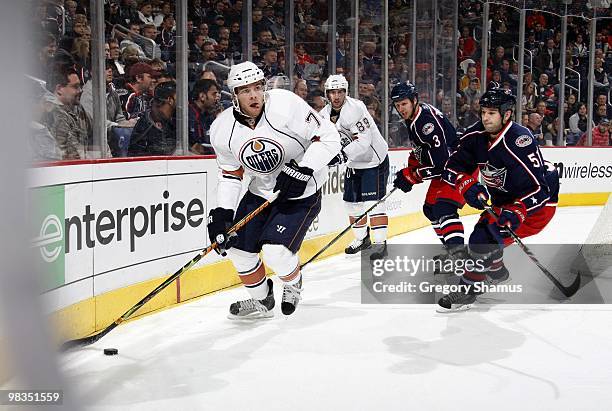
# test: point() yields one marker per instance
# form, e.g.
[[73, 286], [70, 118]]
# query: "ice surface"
[[335, 353]]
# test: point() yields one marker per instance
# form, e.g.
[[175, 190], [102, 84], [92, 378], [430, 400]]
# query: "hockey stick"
[[567, 291], [80, 342], [336, 238]]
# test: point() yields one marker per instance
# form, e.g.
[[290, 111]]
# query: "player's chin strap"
[[336, 238], [567, 291], [80, 342]]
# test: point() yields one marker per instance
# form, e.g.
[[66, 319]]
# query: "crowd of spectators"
[[541, 73], [140, 54]]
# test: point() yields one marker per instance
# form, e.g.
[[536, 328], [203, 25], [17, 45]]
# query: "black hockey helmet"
[[498, 98], [404, 90]]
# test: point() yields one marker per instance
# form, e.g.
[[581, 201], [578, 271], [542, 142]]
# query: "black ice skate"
[[457, 301], [254, 309], [359, 245], [379, 251], [291, 297]]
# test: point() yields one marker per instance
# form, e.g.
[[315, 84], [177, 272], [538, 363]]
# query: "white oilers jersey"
[[363, 144], [288, 129]]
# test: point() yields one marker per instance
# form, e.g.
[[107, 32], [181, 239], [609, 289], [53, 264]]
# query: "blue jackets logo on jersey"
[[262, 155], [494, 177], [428, 128], [523, 141]]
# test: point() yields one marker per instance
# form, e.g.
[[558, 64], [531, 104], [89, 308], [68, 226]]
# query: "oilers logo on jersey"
[[262, 155], [494, 177]]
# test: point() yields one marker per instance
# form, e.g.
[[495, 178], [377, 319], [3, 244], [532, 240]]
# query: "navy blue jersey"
[[433, 138], [511, 165]]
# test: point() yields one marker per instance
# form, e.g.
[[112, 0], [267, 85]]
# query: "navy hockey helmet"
[[498, 98], [404, 90]]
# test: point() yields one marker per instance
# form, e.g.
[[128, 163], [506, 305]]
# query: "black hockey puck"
[[111, 351]]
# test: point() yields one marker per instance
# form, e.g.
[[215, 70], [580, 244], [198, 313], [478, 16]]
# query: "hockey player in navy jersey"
[[284, 146], [522, 187], [364, 150], [433, 138]]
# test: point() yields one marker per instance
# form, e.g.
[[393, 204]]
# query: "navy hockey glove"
[[292, 181], [473, 192], [339, 159], [406, 178], [512, 215], [219, 222]]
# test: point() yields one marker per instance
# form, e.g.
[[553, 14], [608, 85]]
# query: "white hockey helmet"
[[336, 82], [243, 74]]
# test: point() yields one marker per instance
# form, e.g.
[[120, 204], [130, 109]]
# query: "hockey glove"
[[406, 178], [292, 181], [473, 192], [339, 159], [219, 221], [512, 215]]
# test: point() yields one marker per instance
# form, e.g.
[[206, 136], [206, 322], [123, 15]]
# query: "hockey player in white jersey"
[[367, 166], [284, 146]]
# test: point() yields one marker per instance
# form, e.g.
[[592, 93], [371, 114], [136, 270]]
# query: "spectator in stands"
[[151, 48], [277, 27], [578, 124], [552, 132], [131, 39], [372, 62], [534, 124], [258, 23], [473, 114], [205, 31], [202, 112], [531, 44], [468, 77], [599, 112], [580, 50], [145, 13], [601, 77], [524, 119], [602, 100], [265, 41], [117, 126], [549, 59], [600, 135], [223, 55], [48, 47], [498, 57], [143, 76], [301, 57], [42, 144], [208, 52], [473, 91], [301, 89], [469, 43], [165, 39], [235, 37], [544, 91], [195, 49], [312, 38], [270, 63], [528, 100], [601, 43], [67, 121], [155, 132], [545, 113]]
